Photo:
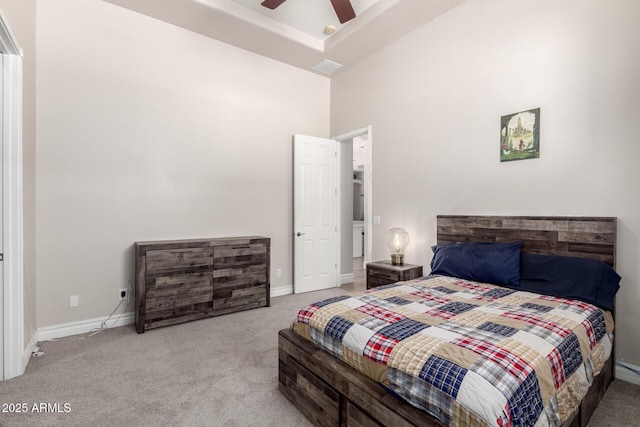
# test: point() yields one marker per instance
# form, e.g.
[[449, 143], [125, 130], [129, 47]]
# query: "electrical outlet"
[[74, 300], [123, 293], [278, 273]]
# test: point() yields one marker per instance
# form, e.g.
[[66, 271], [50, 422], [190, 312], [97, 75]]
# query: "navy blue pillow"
[[497, 263], [567, 277]]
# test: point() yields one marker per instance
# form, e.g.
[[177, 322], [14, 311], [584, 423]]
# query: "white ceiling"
[[293, 33], [308, 16]]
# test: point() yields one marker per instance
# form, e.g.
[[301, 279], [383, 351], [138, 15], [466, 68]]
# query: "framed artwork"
[[520, 136]]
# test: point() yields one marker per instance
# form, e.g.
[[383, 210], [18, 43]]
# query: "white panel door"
[[12, 344], [314, 214]]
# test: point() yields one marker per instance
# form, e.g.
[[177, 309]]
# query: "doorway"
[[319, 220], [355, 221]]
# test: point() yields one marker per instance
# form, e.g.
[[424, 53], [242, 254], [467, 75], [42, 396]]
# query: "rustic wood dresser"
[[182, 280]]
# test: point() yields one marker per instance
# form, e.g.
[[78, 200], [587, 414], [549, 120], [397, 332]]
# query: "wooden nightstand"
[[383, 272]]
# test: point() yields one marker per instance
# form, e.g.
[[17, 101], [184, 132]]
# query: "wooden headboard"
[[583, 237]]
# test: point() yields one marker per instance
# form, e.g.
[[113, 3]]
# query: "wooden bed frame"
[[331, 393]]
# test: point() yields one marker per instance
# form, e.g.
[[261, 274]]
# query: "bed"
[[331, 392]]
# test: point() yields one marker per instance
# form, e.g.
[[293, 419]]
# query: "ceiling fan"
[[343, 8]]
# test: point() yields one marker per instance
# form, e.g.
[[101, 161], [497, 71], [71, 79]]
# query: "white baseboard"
[[288, 290], [626, 375], [28, 350], [82, 327], [281, 291], [346, 278]]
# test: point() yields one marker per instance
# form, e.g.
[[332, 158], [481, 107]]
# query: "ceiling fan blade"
[[272, 4], [344, 10]]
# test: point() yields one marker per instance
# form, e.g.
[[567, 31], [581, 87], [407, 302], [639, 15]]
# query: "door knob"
[[300, 234]]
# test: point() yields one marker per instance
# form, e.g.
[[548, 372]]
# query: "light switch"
[[376, 219]]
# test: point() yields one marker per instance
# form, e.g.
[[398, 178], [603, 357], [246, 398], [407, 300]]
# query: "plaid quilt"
[[468, 353]]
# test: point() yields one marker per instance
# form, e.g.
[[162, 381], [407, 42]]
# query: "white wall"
[[21, 18], [147, 131], [435, 98]]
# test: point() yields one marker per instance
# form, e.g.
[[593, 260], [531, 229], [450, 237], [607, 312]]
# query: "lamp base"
[[397, 259]]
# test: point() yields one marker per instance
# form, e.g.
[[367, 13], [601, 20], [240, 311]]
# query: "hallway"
[[359, 277]]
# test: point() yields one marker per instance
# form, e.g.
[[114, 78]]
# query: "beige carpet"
[[215, 372]]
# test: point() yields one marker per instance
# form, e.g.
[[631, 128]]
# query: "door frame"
[[12, 295], [368, 188]]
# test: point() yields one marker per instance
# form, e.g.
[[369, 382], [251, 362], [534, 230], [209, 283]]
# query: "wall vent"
[[327, 67]]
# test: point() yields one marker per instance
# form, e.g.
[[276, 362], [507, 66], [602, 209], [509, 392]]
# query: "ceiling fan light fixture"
[[330, 29], [343, 8]]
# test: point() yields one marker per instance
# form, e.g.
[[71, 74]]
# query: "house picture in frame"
[[520, 136]]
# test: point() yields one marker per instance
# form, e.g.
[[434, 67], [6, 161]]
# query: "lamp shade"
[[397, 239]]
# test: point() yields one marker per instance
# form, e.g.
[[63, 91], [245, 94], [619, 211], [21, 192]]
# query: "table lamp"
[[397, 239]]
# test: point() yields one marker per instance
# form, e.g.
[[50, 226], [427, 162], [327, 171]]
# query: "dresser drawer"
[[239, 255], [178, 287], [178, 259], [383, 276], [177, 294], [239, 276], [236, 287], [230, 300]]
